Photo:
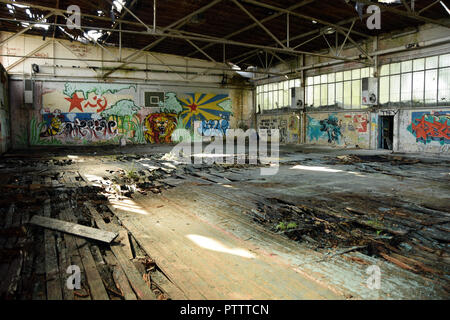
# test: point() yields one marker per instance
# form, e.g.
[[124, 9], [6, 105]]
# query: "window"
[[416, 82], [341, 89], [275, 95], [444, 86]]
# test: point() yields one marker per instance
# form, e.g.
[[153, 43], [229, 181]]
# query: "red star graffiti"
[[75, 102], [193, 107]]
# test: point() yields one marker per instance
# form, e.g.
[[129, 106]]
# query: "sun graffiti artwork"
[[201, 106]]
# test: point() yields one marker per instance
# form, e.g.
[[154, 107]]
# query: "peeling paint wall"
[[5, 136]]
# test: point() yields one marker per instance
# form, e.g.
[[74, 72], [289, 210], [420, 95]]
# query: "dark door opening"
[[386, 132]]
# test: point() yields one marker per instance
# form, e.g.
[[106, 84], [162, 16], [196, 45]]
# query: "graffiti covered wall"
[[288, 124], [342, 129], [425, 131], [5, 137], [99, 113]]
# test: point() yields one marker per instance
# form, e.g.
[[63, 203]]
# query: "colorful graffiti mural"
[[84, 113], [99, 113], [428, 127], [349, 129], [159, 127], [358, 122], [330, 128]]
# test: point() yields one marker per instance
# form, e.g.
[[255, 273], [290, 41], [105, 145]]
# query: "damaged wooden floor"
[[217, 232]]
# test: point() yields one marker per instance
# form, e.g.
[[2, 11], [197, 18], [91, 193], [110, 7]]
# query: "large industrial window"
[[340, 90], [416, 83], [275, 95]]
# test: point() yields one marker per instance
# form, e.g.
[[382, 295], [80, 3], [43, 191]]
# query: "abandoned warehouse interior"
[[224, 150]]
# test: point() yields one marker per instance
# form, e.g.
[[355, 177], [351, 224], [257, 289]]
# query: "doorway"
[[386, 132]]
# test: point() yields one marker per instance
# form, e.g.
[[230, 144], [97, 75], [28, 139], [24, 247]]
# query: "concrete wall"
[[74, 105], [5, 135]]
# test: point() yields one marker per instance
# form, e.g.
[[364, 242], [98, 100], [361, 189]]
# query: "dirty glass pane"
[[323, 94], [384, 89], [418, 64], [347, 95], [347, 75], [323, 78], [431, 84], [286, 96], [331, 94], [356, 74], [395, 68], [418, 87], [394, 95], [444, 86], [431, 62], [406, 87], [356, 94], [407, 66], [317, 80], [297, 83], [365, 73], [265, 101], [331, 77], [384, 70], [281, 101], [310, 95], [339, 76], [309, 81], [339, 94], [316, 95], [444, 60]]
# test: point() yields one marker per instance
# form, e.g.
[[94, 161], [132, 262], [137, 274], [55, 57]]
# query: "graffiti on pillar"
[[430, 126]]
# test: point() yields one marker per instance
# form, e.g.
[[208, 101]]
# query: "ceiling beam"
[[337, 28], [303, 16], [412, 15], [259, 23], [26, 29], [178, 24], [249, 27]]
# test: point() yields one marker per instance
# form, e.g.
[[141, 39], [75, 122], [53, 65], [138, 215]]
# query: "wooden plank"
[[137, 282], [73, 228], [166, 286], [64, 263], [53, 281], [74, 255], [125, 242], [94, 279], [120, 278]]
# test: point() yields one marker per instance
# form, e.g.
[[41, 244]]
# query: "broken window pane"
[[444, 86], [418, 87], [431, 87]]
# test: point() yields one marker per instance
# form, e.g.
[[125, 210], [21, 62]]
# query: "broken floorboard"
[[192, 254]]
